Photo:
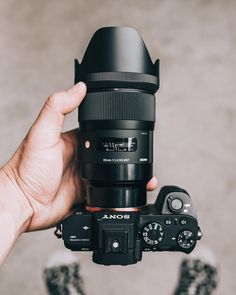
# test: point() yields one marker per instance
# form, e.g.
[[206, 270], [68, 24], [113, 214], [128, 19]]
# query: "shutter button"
[[175, 204]]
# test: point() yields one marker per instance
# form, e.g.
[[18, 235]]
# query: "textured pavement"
[[195, 139]]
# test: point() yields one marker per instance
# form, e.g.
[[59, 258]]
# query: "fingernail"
[[77, 88], [80, 85]]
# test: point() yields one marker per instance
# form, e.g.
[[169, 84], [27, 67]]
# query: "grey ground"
[[196, 120]]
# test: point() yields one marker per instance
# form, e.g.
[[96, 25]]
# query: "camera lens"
[[117, 118]]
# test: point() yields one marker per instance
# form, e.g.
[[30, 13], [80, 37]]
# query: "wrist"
[[14, 205]]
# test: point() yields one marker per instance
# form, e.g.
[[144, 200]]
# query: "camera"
[[115, 153]]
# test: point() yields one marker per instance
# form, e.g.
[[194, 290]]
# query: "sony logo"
[[116, 216]]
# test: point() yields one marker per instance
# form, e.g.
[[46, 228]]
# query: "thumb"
[[46, 130]]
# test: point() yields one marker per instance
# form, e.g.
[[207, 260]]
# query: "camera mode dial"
[[153, 233]]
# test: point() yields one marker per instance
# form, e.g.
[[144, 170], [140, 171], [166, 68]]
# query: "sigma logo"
[[116, 216]]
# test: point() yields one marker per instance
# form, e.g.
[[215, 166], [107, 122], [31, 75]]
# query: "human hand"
[[41, 181], [44, 170]]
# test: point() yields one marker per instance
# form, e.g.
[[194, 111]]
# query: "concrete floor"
[[196, 120]]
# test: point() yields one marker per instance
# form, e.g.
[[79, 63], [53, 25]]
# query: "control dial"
[[153, 233], [186, 239]]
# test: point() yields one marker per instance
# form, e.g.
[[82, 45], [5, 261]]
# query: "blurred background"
[[195, 138]]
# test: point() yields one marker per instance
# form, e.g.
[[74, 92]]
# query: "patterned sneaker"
[[62, 274], [198, 274]]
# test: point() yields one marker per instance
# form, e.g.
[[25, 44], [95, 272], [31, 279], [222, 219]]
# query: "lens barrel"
[[117, 118]]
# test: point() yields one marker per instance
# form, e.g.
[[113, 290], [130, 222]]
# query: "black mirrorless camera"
[[115, 154]]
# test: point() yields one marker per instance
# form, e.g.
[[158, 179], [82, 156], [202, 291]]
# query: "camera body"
[[120, 237]]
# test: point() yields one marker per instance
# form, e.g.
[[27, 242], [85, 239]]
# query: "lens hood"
[[117, 57]]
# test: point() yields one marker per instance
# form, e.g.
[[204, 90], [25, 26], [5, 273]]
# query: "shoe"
[[198, 274], [62, 274]]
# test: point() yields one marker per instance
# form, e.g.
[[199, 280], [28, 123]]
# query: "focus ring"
[[117, 105]]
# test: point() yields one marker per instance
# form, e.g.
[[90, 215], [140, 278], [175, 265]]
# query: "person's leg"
[[198, 274], [62, 274]]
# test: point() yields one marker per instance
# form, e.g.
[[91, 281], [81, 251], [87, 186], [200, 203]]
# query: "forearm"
[[15, 212]]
